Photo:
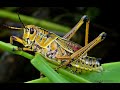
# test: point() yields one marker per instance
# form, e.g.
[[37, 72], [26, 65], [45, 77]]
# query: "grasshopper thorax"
[[29, 35]]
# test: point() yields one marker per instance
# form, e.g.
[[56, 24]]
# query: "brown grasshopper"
[[60, 49]]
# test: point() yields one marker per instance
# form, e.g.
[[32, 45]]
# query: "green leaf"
[[39, 63], [110, 74]]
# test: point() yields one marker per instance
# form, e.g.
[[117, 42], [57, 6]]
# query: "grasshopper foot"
[[17, 49], [14, 49], [85, 18], [20, 49]]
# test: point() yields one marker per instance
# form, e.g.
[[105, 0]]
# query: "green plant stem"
[[30, 20], [8, 47]]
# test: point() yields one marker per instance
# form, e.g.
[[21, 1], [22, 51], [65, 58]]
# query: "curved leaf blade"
[[110, 74], [39, 63]]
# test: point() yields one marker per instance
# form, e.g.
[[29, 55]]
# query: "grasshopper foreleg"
[[17, 39]]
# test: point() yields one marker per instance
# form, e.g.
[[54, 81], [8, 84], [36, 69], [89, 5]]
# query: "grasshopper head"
[[29, 35]]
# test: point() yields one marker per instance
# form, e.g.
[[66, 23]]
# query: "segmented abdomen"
[[86, 64]]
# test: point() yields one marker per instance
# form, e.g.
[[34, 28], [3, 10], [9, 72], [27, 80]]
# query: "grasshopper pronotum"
[[60, 49]]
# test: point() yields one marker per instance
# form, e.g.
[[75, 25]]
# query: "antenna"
[[21, 20], [13, 28]]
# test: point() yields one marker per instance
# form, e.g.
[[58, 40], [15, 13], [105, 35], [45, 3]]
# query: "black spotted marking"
[[97, 65], [69, 65], [83, 63], [90, 63], [93, 65], [31, 30], [41, 28], [48, 35], [90, 58], [51, 53], [86, 57], [72, 59], [78, 61], [41, 37], [63, 61], [47, 55]]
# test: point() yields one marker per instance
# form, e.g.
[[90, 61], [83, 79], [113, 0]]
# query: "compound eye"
[[31, 30]]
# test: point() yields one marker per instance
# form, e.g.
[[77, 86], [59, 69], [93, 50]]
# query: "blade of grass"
[[39, 63], [111, 74], [30, 20], [40, 80]]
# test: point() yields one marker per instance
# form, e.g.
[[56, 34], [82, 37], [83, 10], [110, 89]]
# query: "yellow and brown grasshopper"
[[60, 49]]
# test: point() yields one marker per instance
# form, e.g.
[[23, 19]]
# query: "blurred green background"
[[14, 68]]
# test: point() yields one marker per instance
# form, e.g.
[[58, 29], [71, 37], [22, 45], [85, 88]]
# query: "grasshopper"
[[60, 49]]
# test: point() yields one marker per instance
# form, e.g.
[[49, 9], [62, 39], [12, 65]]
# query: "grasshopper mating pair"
[[61, 49]]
